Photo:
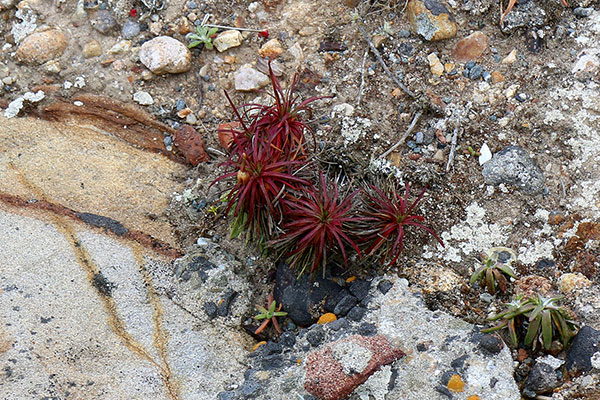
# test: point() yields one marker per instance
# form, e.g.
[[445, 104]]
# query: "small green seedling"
[[269, 314], [543, 317], [204, 35], [494, 268]]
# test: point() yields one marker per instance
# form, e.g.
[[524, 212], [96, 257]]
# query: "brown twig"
[[403, 138], [385, 68]]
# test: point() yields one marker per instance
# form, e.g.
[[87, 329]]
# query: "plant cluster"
[[269, 314], [492, 273], [540, 319], [204, 35], [283, 200]]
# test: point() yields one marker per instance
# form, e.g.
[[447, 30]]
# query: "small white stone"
[[191, 119], [120, 48], [511, 57], [67, 85], [203, 242], [34, 97], [78, 103], [486, 154], [79, 82], [143, 98], [13, 108], [247, 79], [252, 7], [227, 40]]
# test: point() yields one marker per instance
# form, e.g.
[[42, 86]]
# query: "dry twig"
[[452, 147], [385, 68], [403, 138]]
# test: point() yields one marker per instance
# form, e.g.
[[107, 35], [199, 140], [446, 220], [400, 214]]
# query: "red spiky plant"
[[265, 155], [318, 223], [383, 227], [281, 125], [262, 178]]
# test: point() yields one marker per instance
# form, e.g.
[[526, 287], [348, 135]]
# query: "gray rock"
[[103, 21], [345, 305], [583, 11], [130, 30], [526, 14], [542, 379], [513, 165], [164, 54]]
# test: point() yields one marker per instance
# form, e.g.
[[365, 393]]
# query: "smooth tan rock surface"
[[88, 171], [84, 314]]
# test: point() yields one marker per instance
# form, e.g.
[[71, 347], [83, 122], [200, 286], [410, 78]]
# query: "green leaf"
[[280, 313], [477, 274], [194, 44], [272, 307], [532, 331], [212, 32], [506, 269], [490, 283], [208, 45], [495, 328], [513, 332], [546, 329], [261, 316], [262, 309], [238, 225], [534, 314]]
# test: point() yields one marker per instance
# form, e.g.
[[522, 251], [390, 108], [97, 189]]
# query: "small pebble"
[[475, 72], [130, 30], [470, 65], [521, 97], [103, 21], [583, 11], [192, 5], [486, 76], [419, 137], [180, 104], [143, 98]]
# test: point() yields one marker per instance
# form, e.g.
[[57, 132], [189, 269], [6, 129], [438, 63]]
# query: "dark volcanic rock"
[[583, 347]]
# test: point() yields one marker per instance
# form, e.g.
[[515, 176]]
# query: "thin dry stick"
[[452, 147], [385, 68], [362, 78], [403, 138]]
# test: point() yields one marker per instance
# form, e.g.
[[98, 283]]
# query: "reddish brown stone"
[[471, 47], [530, 285], [225, 131], [325, 376], [190, 143]]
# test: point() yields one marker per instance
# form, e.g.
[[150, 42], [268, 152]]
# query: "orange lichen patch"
[[474, 397], [221, 301], [456, 384], [257, 345], [348, 280], [298, 361], [326, 318]]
